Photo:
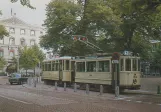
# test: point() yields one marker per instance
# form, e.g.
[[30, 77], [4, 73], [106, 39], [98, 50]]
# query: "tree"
[[120, 24], [24, 3], [3, 32], [62, 23], [38, 52], [30, 57], [2, 62]]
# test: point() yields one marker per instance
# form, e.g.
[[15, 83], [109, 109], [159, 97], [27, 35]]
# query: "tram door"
[[61, 66], [73, 71], [115, 75]]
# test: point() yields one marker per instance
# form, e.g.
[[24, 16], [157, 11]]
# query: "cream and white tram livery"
[[99, 71], [58, 69], [94, 71]]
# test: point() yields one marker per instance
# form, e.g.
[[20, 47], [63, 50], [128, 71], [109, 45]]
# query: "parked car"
[[17, 78]]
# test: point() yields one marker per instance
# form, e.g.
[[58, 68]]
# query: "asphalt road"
[[18, 98]]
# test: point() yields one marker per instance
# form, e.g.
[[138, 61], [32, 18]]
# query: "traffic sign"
[[115, 61]]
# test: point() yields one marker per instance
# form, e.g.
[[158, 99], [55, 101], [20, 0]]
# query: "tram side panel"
[[130, 80], [93, 77], [50, 75]]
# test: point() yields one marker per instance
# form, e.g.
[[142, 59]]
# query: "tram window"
[[91, 66], [67, 64], [122, 64], [138, 65], [46, 66], [56, 66], [49, 66], [53, 66], [80, 66], [43, 66], [128, 64], [134, 64], [60, 65], [104, 66]]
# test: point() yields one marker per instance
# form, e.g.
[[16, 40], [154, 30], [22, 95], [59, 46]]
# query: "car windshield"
[[16, 75]]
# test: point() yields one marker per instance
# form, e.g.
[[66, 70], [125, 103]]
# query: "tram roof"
[[59, 58]]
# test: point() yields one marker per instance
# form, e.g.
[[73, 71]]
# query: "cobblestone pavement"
[[18, 98], [24, 98]]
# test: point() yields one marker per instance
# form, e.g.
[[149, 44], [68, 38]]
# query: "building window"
[[12, 41], [12, 30], [11, 53], [22, 42], [32, 33], [22, 32], [1, 53], [1, 40], [32, 42]]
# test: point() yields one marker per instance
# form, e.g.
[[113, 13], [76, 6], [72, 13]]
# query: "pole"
[[18, 64], [115, 74], [116, 78]]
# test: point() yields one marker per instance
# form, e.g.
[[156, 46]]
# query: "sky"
[[30, 16]]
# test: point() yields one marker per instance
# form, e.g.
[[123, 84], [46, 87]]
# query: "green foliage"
[[2, 62], [120, 24], [30, 57], [156, 60], [3, 31], [38, 52], [24, 3], [62, 23]]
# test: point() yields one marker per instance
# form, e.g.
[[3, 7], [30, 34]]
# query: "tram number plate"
[[115, 61]]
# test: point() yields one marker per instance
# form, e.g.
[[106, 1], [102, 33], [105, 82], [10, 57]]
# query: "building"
[[20, 34]]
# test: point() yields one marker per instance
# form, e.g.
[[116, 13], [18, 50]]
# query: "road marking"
[[128, 100], [138, 101], [159, 104], [14, 99]]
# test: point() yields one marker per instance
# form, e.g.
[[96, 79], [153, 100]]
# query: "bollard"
[[117, 91], [65, 86], [75, 87], [158, 90], [56, 85], [37, 80], [34, 83], [87, 88], [101, 89]]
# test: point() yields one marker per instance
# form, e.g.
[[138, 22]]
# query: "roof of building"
[[17, 21], [13, 20]]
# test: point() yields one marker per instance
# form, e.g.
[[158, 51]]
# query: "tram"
[[94, 71], [58, 69]]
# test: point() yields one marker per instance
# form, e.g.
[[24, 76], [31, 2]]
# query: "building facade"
[[20, 34]]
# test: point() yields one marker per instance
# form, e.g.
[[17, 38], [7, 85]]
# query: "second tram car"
[[93, 70]]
